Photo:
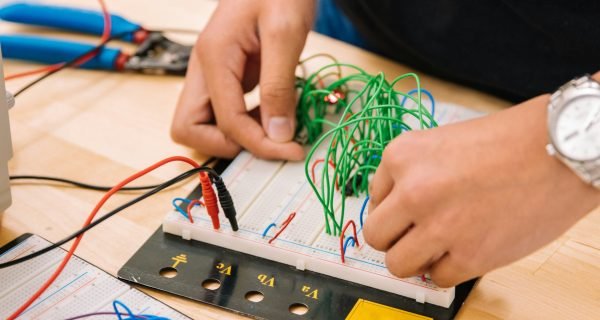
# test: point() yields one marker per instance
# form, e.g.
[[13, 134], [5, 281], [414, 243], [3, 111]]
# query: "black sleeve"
[[515, 49]]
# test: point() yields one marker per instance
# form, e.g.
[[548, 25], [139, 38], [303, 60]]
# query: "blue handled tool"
[[156, 54], [51, 51], [66, 18]]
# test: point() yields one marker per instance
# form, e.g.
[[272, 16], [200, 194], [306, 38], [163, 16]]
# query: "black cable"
[[88, 186], [96, 222], [78, 184]]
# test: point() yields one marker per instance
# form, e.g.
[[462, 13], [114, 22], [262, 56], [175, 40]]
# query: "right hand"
[[245, 42]]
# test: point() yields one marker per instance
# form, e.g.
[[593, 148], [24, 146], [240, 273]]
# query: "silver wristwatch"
[[574, 127]]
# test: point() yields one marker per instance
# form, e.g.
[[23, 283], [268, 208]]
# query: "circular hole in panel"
[[254, 296], [168, 272], [211, 284], [298, 309]]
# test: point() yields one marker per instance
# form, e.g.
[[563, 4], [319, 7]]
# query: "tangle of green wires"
[[349, 119]]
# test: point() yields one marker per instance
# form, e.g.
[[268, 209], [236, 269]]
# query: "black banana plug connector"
[[226, 202]]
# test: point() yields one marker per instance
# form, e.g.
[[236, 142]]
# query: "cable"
[[226, 202], [371, 112], [101, 219], [314, 166], [88, 221], [79, 184], [116, 304], [342, 247], [96, 222], [269, 227], [362, 210], [191, 205], [350, 238], [89, 224], [428, 94], [94, 187], [210, 201], [176, 206], [95, 314], [284, 225]]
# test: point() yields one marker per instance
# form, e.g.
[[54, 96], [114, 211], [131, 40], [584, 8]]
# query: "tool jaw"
[[159, 55]]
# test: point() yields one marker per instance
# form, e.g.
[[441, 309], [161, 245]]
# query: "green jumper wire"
[[370, 114]]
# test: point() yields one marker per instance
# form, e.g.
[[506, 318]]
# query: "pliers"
[[155, 54]]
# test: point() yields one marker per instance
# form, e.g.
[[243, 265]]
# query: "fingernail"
[[280, 129]]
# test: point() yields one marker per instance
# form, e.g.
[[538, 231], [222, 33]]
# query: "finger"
[[379, 187], [193, 121], [448, 272], [414, 253], [279, 54], [251, 73], [227, 97], [386, 224]]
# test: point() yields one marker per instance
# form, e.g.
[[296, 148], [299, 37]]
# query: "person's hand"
[[463, 199], [244, 41]]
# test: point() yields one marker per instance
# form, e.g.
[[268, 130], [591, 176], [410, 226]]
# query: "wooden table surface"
[[101, 127]]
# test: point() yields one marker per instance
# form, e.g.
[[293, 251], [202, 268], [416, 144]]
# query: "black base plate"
[[238, 274]]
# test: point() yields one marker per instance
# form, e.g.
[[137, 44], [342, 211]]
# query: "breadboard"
[[81, 288], [267, 192]]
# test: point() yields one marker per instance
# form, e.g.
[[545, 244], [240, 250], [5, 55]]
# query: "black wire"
[[88, 186], [78, 184], [96, 222]]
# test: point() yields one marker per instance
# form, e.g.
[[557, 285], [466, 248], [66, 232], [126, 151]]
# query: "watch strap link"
[[588, 171], [585, 81]]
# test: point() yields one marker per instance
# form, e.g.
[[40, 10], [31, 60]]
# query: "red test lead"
[[210, 200]]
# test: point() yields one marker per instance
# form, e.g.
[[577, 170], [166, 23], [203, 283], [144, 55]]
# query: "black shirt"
[[515, 49]]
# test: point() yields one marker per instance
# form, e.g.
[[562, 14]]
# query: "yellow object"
[[364, 309]]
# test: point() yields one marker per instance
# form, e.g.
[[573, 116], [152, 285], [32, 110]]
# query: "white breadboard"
[[267, 192], [81, 288]]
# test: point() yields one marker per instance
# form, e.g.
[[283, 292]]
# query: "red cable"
[[314, 166], [351, 222], [190, 206], [105, 35], [210, 200], [283, 226], [99, 205]]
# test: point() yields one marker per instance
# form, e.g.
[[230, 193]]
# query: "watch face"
[[577, 129]]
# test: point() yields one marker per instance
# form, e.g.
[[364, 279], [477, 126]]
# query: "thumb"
[[280, 53]]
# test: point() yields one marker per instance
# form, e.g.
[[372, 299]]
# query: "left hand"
[[463, 199]]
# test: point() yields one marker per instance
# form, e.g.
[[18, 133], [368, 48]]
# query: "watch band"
[[588, 171], [585, 81]]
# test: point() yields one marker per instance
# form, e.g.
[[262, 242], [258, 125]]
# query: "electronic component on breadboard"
[[274, 199]]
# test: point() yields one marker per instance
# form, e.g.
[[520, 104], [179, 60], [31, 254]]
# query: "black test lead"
[[226, 202]]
